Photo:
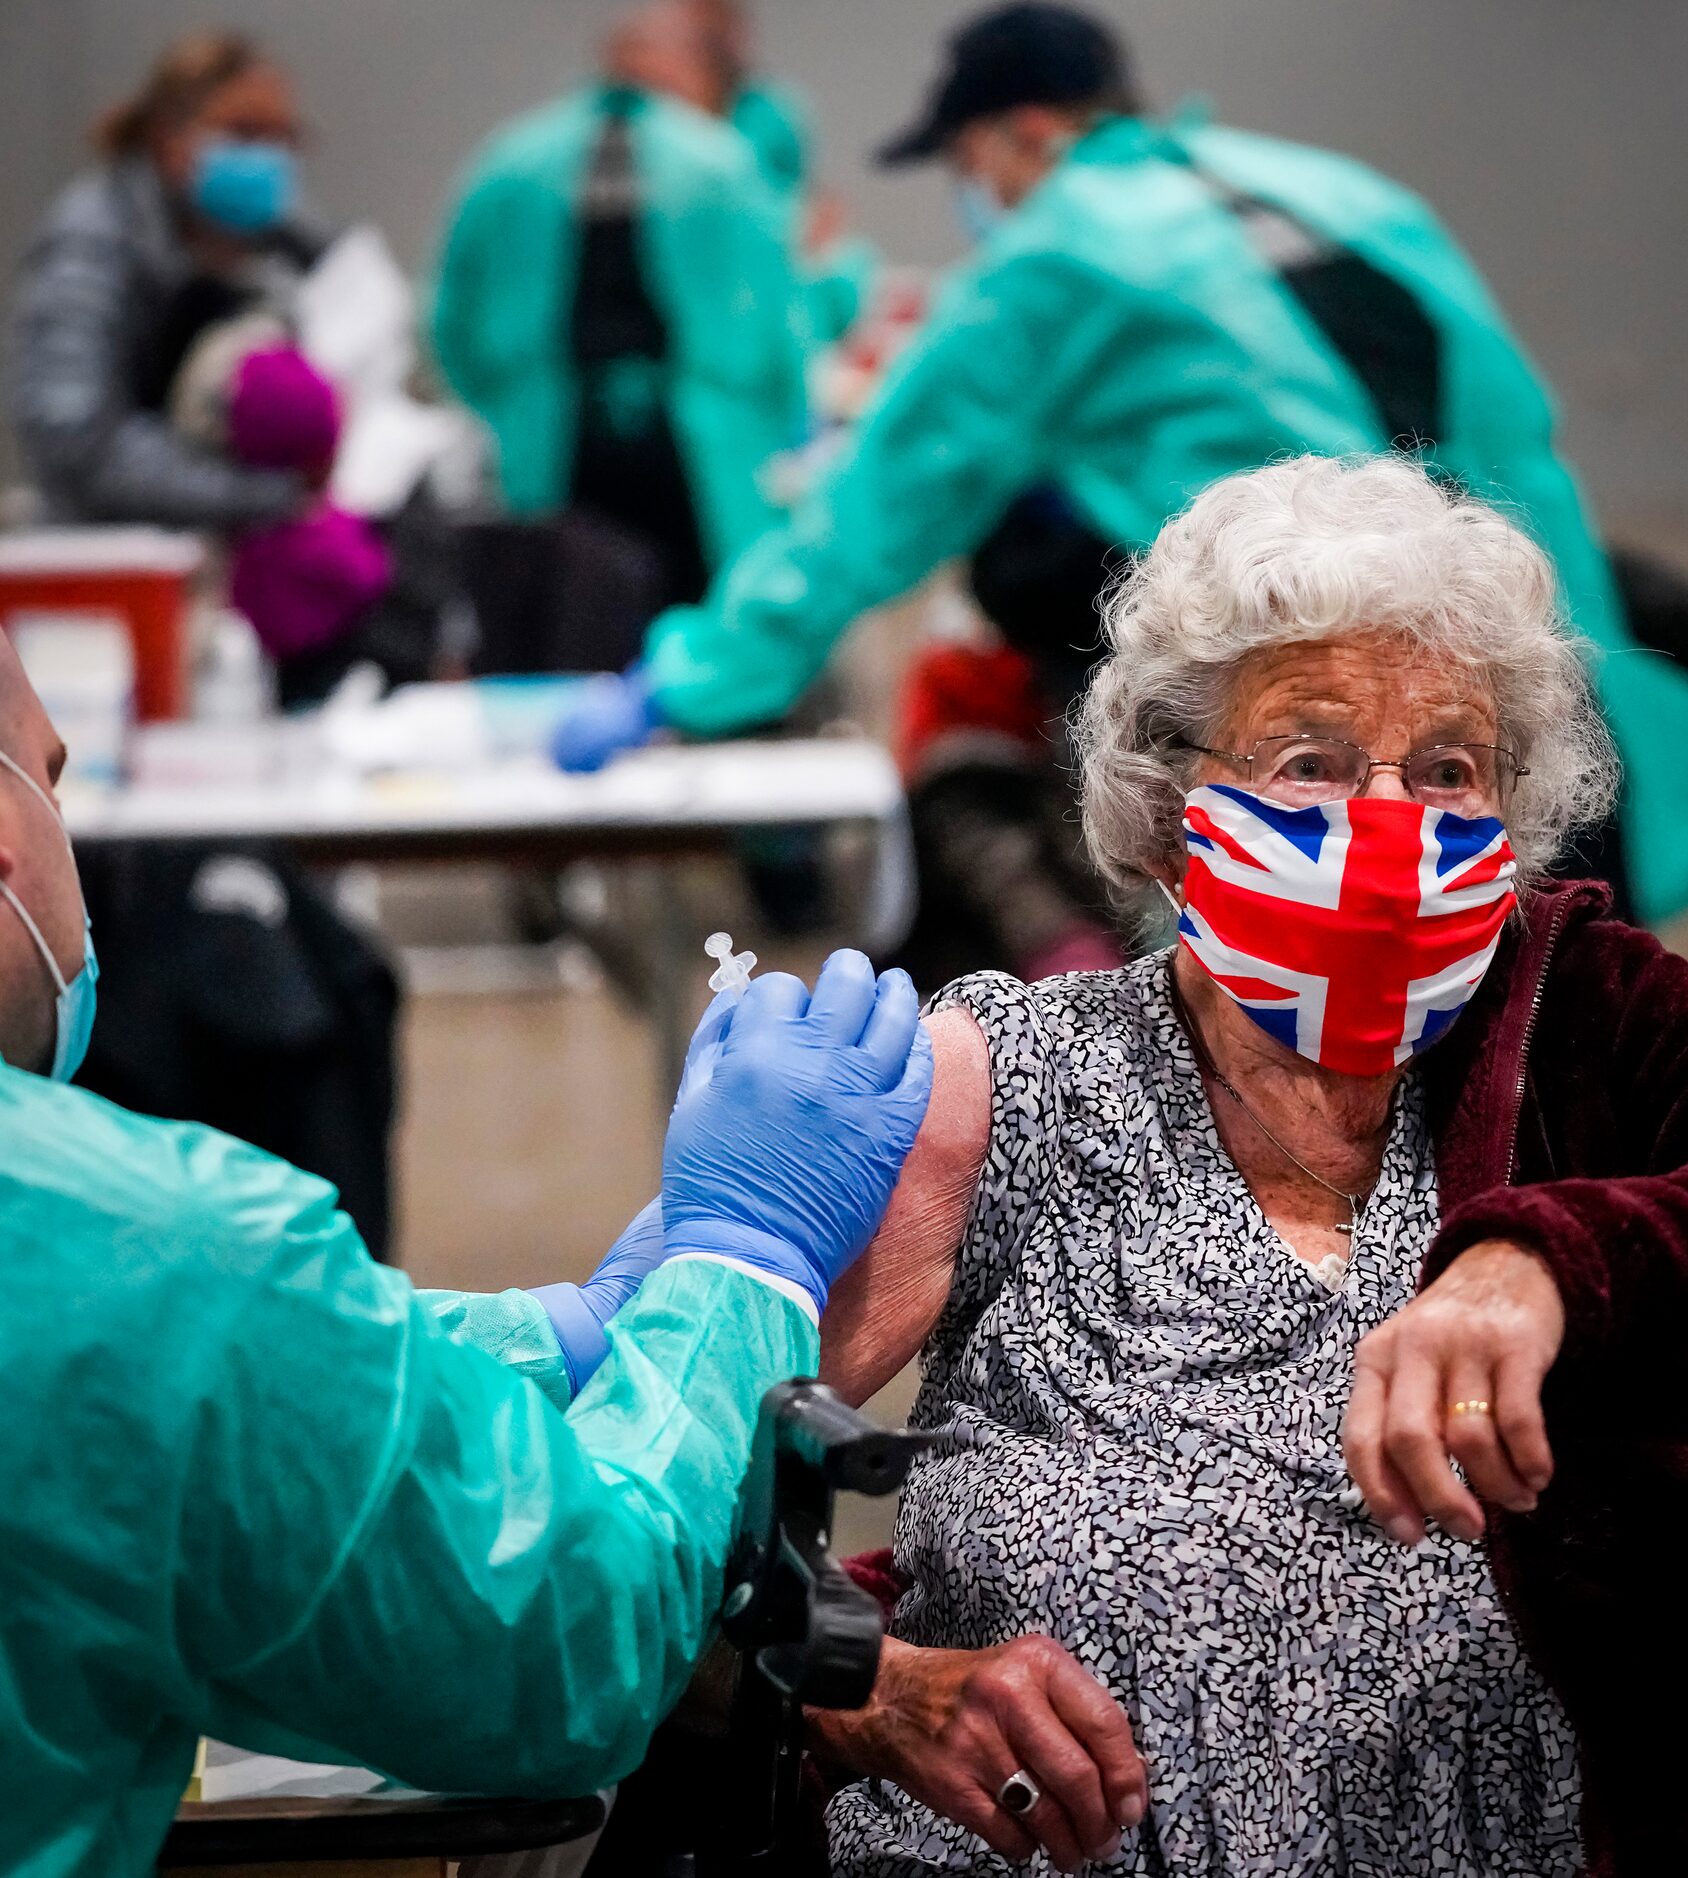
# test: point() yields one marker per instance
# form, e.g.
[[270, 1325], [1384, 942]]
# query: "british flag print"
[[1354, 932]]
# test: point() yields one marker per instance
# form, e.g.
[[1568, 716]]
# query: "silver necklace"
[[1210, 1068]]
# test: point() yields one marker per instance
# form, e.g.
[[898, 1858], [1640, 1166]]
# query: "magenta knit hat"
[[283, 414]]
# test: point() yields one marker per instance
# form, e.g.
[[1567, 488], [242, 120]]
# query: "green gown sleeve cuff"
[[510, 1326]]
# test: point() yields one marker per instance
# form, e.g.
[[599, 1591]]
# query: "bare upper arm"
[[884, 1308]]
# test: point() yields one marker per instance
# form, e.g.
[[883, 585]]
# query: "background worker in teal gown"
[[252, 1485], [836, 265], [1153, 304], [617, 297], [772, 116]]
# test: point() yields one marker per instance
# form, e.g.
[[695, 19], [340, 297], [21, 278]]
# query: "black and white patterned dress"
[[1141, 1393]]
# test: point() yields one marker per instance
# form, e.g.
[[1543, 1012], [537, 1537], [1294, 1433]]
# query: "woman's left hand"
[[1484, 1334]]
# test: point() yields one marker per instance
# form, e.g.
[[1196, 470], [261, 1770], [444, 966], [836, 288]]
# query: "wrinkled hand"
[[1487, 1330], [794, 1119], [950, 1726]]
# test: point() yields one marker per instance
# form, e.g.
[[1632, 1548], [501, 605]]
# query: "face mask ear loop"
[[60, 984], [40, 795], [34, 931]]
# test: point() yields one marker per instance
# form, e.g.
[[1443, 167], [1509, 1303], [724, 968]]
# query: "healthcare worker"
[[836, 266], [772, 117], [1152, 305], [249, 1487], [191, 218], [617, 298]]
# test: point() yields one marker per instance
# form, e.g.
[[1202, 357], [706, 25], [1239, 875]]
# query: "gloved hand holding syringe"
[[848, 1000]]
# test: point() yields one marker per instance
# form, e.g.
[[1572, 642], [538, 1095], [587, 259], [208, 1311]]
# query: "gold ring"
[[1469, 1408]]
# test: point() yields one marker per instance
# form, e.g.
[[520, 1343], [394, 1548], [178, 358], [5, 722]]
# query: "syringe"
[[733, 971]]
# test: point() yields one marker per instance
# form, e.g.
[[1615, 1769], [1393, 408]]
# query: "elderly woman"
[[1155, 1212]]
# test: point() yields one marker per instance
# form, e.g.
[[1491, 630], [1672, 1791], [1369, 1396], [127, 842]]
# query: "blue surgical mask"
[[73, 1003], [245, 187], [978, 210]]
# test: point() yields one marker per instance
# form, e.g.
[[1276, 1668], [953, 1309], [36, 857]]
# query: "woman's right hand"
[[950, 1726]]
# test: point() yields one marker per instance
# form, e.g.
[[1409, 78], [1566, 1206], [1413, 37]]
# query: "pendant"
[[1331, 1271]]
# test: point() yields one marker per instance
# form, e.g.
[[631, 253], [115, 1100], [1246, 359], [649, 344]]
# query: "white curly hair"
[[1315, 548]]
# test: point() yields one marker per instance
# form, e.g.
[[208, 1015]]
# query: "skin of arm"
[[886, 1305]]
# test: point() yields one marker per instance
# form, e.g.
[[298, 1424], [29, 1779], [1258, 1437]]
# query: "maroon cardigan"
[[1560, 1109], [1559, 1106]]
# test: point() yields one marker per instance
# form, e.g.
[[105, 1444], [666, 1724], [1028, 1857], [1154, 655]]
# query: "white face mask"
[[73, 1001]]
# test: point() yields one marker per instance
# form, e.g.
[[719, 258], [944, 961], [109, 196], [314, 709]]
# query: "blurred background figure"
[[838, 266], [192, 217], [618, 300], [1153, 304], [156, 376], [307, 583], [771, 116]]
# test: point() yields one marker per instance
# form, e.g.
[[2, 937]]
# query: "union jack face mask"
[[1353, 932]]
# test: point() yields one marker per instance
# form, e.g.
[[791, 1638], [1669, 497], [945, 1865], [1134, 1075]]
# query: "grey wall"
[[1552, 134]]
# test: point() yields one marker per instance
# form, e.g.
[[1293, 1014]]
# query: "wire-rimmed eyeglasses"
[[1465, 778]]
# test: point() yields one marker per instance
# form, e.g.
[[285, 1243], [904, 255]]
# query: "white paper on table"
[[428, 727], [233, 1774], [356, 315], [389, 443]]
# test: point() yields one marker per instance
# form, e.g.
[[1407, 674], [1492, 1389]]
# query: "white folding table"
[[662, 803]]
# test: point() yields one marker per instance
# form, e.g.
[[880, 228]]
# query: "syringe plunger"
[[734, 971]]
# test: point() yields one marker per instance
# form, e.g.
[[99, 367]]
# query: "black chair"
[[802, 1633]]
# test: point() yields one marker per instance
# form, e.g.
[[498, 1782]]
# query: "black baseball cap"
[[1029, 53]]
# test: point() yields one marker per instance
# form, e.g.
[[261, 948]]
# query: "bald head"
[[36, 866], [727, 24], [26, 732], [667, 48]]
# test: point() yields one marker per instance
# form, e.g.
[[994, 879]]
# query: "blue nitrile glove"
[[603, 717], [782, 1153], [578, 1313]]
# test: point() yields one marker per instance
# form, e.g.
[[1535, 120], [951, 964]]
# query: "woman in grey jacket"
[[189, 221]]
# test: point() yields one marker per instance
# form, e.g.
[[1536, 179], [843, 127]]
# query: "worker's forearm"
[[931, 468], [524, 1596], [667, 1426], [744, 657]]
